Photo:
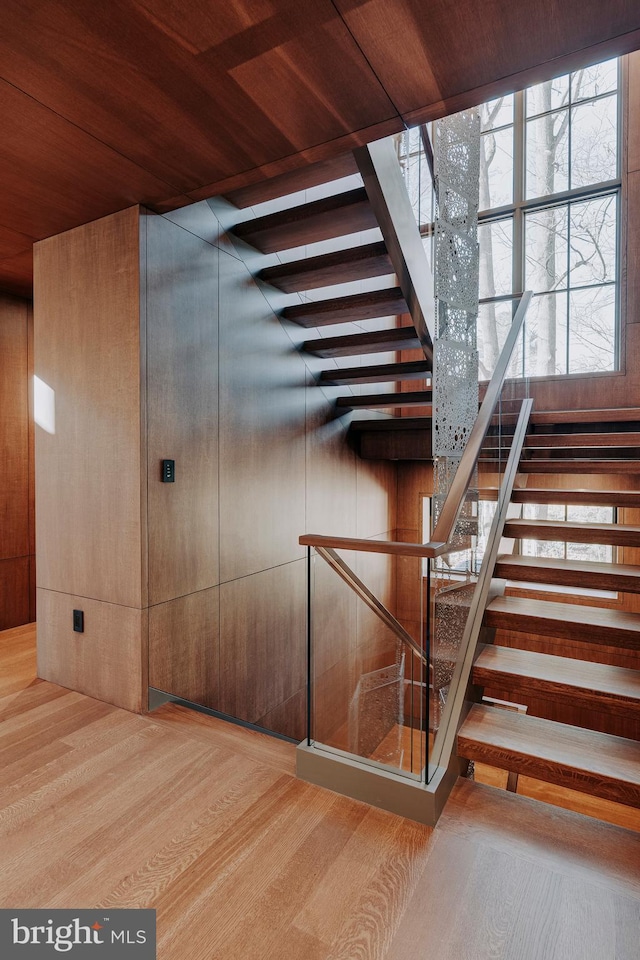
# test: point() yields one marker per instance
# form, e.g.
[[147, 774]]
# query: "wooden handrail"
[[393, 547], [387, 193]]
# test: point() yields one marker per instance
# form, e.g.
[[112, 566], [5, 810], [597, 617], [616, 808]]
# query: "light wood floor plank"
[[205, 822]]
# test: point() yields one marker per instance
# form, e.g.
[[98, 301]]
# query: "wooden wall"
[[273, 462], [17, 534], [158, 344], [91, 503]]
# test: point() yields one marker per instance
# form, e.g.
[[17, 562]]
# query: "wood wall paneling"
[[108, 661], [331, 494], [14, 592], [184, 647], [633, 113], [431, 56], [262, 431], [633, 258], [376, 488], [262, 640], [14, 430], [89, 535], [182, 410]]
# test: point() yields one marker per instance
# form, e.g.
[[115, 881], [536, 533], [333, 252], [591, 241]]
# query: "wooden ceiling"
[[164, 102]]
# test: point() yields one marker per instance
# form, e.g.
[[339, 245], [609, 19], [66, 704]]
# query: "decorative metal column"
[[455, 372], [455, 378]]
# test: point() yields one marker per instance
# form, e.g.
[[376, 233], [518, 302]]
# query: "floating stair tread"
[[578, 440], [613, 415], [333, 216], [357, 306], [570, 573], [378, 373], [570, 621], [611, 498], [595, 686], [341, 266], [373, 400], [616, 534], [575, 465], [394, 424], [585, 760], [359, 344], [301, 179]]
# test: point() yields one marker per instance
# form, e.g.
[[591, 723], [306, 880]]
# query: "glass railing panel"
[[368, 687]]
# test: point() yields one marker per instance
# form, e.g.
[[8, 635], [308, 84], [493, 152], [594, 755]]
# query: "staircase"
[[575, 666], [572, 660], [376, 299]]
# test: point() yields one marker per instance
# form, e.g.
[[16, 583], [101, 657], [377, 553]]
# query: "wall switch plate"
[[78, 621], [168, 471]]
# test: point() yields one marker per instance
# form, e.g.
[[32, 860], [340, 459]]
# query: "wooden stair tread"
[[359, 344], [598, 686], [586, 760], [394, 424], [335, 216], [312, 175], [578, 440], [571, 621], [373, 400], [575, 465], [596, 415], [617, 534], [612, 498], [341, 266], [570, 573], [378, 373], [357, 306]]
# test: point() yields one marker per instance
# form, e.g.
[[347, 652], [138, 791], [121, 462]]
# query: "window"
[[549, 211]]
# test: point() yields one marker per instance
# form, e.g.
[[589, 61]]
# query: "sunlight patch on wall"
[[44, 405]]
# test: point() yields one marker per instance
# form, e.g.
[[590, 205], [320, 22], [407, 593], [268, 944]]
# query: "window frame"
[[516, 211]]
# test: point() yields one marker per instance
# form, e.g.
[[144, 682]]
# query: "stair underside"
[[373, 401], [617, 534], [378, 373], [285, 184], [358, 306], [360, 344], [621, 577], [342, 266], [334, 216], [588, 685], [566, 621], [584, 760]]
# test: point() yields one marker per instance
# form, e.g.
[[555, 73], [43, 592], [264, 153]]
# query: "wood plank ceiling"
[[164, 102]]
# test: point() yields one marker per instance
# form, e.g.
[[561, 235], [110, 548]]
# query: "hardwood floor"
[[206, 822]]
